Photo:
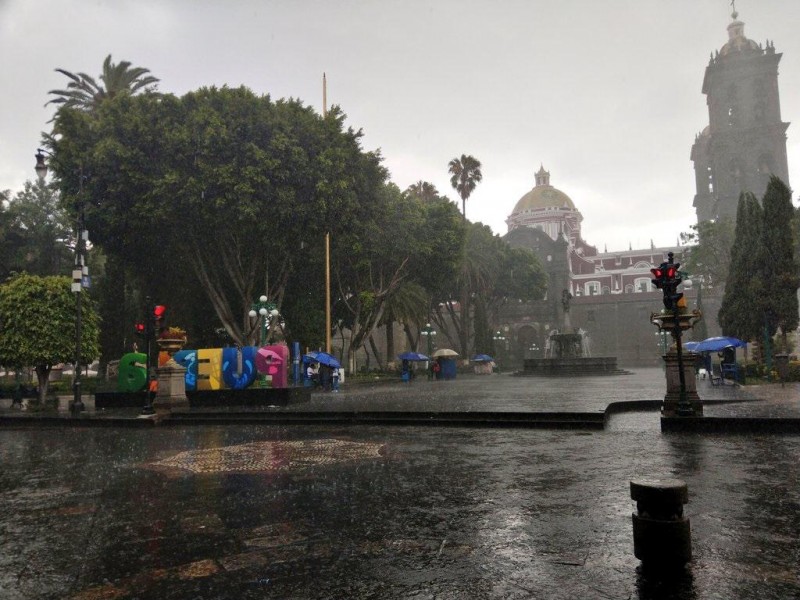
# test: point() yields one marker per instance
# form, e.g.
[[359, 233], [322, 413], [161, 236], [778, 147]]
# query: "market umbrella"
[[481, 358], [444, 353], [266, 357], [412, 356], [715, 344], [322, 358]]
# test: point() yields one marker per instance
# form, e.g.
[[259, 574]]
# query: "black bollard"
[[661, 534]]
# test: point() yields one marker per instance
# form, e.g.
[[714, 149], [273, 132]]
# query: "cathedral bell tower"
[[745, 140]]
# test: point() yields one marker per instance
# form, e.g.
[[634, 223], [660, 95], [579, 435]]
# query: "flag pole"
[[327, 241]]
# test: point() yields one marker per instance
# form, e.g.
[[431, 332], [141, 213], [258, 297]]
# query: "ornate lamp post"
[[429, 333], [499, 337], [265, 310], [80, 276], [675, 318]]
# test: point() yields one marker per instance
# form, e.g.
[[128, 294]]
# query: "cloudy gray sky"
[[604, 93]]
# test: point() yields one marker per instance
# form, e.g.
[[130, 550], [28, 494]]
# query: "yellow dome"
[[543, 196]]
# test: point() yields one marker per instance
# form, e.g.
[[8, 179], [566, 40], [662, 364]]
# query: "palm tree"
[[423, 190], [84, 93], [466, 175]]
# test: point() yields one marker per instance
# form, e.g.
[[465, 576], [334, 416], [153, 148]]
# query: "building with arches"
[[610, 294]]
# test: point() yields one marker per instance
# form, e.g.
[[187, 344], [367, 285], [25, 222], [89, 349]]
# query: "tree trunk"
[[389, 342], [381, 364], [43, 379]]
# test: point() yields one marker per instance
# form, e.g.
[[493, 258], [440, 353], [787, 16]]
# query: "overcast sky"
[[606, 94]]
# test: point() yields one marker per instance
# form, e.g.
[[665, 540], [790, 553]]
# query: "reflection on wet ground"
[[387, 512]]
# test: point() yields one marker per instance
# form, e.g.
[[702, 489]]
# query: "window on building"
[[606, 290], [592, 288], [733, 115], [643, 284], [732, 111], [629, 289]]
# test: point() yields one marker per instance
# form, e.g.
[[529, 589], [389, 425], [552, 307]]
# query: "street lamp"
[[80, 276], [263, 308], [429, 333], [499, 337]]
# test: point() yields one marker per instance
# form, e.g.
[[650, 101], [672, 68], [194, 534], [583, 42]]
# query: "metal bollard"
[[661, 534]]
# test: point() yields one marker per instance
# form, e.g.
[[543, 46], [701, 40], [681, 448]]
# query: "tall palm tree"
[[84, 93], [465, 176]]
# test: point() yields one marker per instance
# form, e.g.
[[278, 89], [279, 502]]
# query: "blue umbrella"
[[322, 358], [715, 344], [413, 356], [690, 346], [481, 358]]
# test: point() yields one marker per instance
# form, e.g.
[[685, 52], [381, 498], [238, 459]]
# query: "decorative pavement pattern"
[[270, 456]]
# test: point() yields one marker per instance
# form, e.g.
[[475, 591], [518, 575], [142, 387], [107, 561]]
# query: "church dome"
[[736, 39], [543, 196]]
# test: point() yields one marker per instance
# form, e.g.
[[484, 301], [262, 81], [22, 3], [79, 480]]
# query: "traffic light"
[[139, 330], [159, 314], [671, 279], [658, 275]]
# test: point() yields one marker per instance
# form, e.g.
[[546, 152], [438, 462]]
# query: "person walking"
[[335, 380]]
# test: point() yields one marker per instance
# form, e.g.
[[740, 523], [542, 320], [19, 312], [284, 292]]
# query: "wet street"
[[265, 511]]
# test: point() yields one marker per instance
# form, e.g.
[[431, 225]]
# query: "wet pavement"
[[265, 511]]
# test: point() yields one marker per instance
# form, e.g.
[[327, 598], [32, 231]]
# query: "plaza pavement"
[[331, 511]]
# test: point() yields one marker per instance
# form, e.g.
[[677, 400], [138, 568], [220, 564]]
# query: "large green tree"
[[434, 249], [233, 191], [740, 314], [379, 273], [37, 325], [776, 260]]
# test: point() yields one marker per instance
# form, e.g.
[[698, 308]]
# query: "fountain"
[[568, 354]]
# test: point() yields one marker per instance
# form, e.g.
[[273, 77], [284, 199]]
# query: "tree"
[[494, 274], [708, 258], [84, 93], [43, 229], [235, 192], [423, 191], [10, 238], [465, 176], [776, 260], [37, 325], [700, 330], [740, 314]]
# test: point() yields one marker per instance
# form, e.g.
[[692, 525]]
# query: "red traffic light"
[[657, 273], [159, 311], [671, 271], [139, 328]]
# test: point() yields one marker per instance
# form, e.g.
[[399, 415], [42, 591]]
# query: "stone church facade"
[[612, 296], [744, 142]]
